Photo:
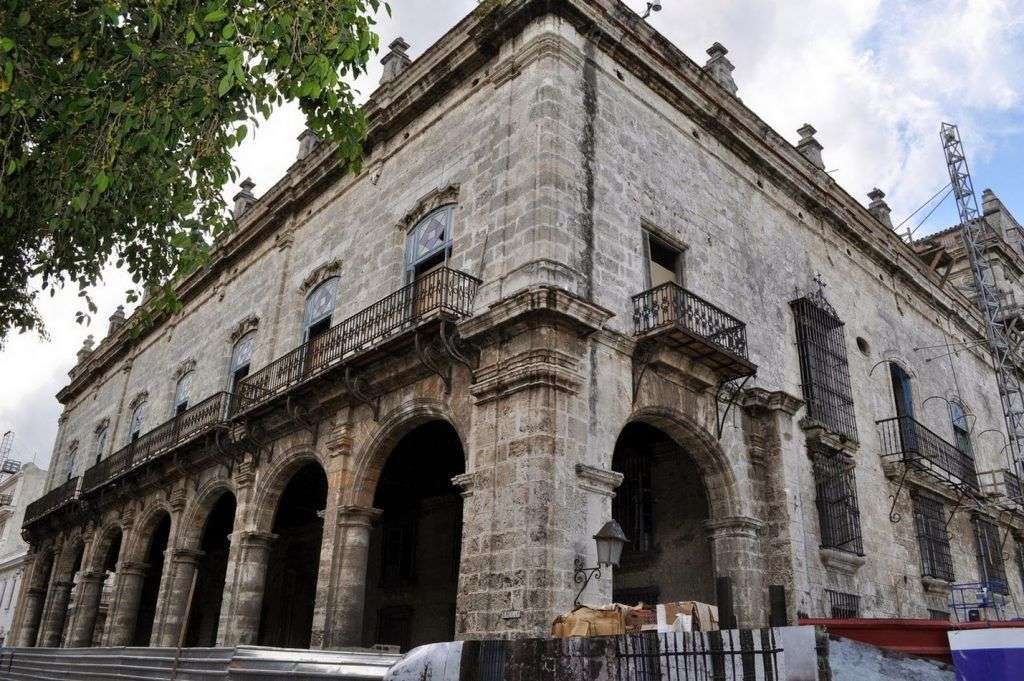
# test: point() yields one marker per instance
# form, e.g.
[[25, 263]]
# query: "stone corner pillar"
[[27, 630], [184, 568], [344, 626], [736, 547], [90, 590], [124, 609], [247, 575]]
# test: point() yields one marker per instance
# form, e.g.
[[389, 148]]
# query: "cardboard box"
[[704, 617], [611, 620]]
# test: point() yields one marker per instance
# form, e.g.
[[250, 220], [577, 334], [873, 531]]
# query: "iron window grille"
[[838, 510], [932, 538], [633, 504], [842, 606], [991, 567], [824, 369], [1020, 558]]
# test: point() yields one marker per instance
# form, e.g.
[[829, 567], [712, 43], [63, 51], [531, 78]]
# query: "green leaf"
[[190, 37], [228, 31], [226, 84], [102, 182], [55, 41], [24, 18], [6, 44], [215, 16]]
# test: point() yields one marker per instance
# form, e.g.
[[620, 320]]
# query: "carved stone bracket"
[[818, 433], [841, 561], [643, 354], [431, 356], [775, 401], [467, 483]]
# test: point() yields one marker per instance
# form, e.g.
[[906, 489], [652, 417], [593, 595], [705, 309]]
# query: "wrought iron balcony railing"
[[694, 326], [905, 439], [10, 466], [1002, 483], [194, 421], [51, 501], [443, 292]]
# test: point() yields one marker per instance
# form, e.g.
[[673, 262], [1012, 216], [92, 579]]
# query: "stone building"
[[19, 485], [576, 278]]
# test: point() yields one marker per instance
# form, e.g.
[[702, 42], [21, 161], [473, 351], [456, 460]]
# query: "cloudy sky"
[[874, 77]]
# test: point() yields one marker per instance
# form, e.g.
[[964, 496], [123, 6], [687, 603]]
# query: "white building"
[[16, 491]]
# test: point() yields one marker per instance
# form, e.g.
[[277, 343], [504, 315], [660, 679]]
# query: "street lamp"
[[609, 539]]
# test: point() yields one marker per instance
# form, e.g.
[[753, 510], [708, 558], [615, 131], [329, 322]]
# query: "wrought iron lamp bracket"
[[459, 350], [582, 575], [299, 413], [733, 388], [357, 387], [894, 515], [643, 355], [254, 432]]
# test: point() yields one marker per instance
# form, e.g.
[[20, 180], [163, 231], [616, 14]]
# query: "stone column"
[[736, 546], [90, 589], [184, 565], [31, 617], [125, 608], [352, 548], [54, 614], [240, 624]]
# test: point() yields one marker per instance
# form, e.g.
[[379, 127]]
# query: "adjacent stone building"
[[19, 485], [577, 278]]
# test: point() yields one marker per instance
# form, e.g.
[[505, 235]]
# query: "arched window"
[[241, 358], [183, 392], [135, 426], [101, 441], [429, 243], [319, 309], [961, 429]]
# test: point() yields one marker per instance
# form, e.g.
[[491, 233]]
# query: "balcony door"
[[663, 262], [428, 247], [241, 359], [904, 403], [316, 323]]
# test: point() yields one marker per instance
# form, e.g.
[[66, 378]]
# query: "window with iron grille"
[[842, 606], [1020, 559], [838, 512], [991, 568], [824, 370], [932, 538], [633, 505]]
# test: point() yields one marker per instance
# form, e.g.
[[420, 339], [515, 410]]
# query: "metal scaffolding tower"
[[972, 230]]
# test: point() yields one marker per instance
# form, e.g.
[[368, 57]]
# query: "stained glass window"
[[242, 354], [431, 235], [182, 392], [320, 303]]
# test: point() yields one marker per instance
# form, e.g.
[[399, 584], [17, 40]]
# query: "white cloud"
[[875, 77]]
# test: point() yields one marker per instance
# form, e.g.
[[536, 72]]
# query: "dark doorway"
[[290, 593], [44, 584], [662, 507], [413, 571], [151, 583], [211, 573]]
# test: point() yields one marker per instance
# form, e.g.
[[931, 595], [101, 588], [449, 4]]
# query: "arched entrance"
[[151, 584], [290, 592], [662, 506], [413, 566], [212, 570], [109, 558]]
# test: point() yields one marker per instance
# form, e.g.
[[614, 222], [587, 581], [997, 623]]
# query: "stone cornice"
[[531, 369], [778, 400], [599, 480], [543, 300]]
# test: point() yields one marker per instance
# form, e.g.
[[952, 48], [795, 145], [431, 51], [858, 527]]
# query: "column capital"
[[186, 556], [734, 526], [466, 482], [358, 516], [91, 576], [132, 568], [253, 538]]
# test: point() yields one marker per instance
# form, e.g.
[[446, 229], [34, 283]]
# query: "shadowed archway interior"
[[151, 584], [290, 592], [211, 572], [662, 506], [413, 571], [109, 567]]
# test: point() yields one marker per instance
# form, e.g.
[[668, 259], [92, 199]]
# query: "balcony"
[[6, 500], [672, 315], [1003, 486], [442, 294], [191, 423], [53, 500], [906, 440], [10, 466]]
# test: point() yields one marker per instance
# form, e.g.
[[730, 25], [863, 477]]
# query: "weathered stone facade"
[[572, 143]]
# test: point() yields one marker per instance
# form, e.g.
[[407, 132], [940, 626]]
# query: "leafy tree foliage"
[[118, 118]]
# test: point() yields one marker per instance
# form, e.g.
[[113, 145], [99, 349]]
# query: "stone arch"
[[720, 482], [372, 456], [143, 529], [271, 486], [104, 541], [194, 520]]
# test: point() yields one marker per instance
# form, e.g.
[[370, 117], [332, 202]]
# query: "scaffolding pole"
[[972, 231]]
